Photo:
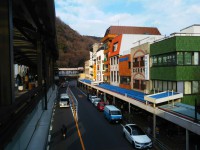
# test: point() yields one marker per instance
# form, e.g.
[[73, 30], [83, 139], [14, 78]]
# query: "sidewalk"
[[33, 133]]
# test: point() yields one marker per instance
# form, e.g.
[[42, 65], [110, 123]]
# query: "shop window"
[[169, 85], [187, 87], [187, 58], [165, 86], [180, 58], [160, 86], [174, 86]]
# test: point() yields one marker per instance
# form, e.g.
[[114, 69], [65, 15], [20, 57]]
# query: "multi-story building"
[[176, 65], [140, 64], [99, 63], [111, 47]]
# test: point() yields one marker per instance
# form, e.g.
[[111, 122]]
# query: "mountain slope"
[[73, 47]]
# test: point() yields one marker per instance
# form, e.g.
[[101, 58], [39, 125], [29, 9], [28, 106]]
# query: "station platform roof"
[[163, 97], [181, 109]]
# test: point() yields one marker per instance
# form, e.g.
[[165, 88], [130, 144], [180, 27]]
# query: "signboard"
[[146, 66]]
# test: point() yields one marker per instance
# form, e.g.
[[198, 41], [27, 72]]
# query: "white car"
[[92, 97], [96, 101], [136, 136]]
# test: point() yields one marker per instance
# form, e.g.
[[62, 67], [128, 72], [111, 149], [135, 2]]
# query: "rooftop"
[[132, 30]]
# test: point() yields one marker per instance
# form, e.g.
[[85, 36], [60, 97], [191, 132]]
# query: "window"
[[129, 65], [164, 60], [187, 58], [165, 86], [195, 87], [195, 58], [154, 60], [159, 60], [187, 87], [160, 85], [125, 80], [180, 58], [115, 47]]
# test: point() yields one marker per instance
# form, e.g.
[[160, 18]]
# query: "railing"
[[12, 117]]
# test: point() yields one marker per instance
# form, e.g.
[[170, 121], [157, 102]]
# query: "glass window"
[[187, 87], [159, 60], [195, 87], [165, 60], [187, 58], [173, 59], [174, 86], [115, 47], [179, 58], [160, 86], [164, 85], [154, 60], [170, 85], [195, 58]]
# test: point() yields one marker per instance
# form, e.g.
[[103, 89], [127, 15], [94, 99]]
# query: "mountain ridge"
[[73, 48]]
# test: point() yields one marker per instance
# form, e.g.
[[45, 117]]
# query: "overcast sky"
[[93, 17]]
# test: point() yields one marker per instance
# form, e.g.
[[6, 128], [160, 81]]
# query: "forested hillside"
[[73, 47]]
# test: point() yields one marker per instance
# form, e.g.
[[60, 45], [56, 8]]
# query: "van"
[[112, 114], [64, 100]]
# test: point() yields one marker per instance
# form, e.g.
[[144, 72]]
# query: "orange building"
[[125, 71]]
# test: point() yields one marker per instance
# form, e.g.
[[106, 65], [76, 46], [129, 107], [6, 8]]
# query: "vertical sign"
[[146, 66]]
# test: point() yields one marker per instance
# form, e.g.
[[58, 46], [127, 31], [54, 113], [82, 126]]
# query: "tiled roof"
[[132, 30]]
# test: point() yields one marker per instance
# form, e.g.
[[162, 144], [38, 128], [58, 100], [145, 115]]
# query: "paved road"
[[64, 116], [97, 133]]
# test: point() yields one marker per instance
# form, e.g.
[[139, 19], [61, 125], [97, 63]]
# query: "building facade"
[[176, 65]]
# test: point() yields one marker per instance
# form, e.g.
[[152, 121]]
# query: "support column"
[[129, 108], [6, 57], [187, 139], [44, 66], [104, 96], [154, 125], [97, 93], [39, 62], [113, 100]]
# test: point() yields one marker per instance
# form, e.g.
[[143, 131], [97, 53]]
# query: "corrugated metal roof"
[[132, 30]]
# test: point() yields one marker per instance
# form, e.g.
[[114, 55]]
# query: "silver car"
[[136, 136], [96, 101]]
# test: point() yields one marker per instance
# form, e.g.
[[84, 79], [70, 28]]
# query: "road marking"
[[77, 127]]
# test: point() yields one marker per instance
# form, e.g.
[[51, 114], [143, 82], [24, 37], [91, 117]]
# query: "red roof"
[[132, 30]]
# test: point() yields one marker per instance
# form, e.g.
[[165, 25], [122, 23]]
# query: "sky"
[[93, 17]]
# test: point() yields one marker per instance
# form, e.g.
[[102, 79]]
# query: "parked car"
[[100, 106], [112, 114], [96, 101], [92, 97], [136, 136]]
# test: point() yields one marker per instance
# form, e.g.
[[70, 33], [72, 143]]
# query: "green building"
[[176, 64]]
